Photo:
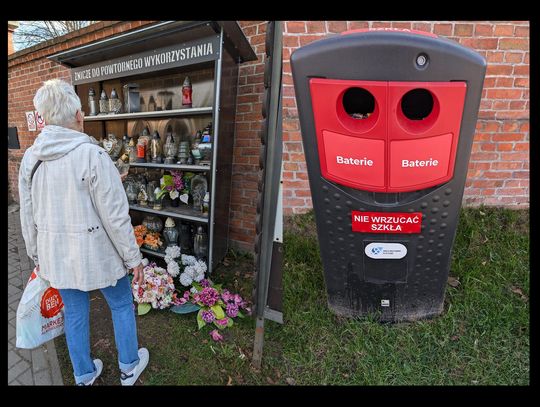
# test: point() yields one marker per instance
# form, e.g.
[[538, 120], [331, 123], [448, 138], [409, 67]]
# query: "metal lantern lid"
[[104, 95]]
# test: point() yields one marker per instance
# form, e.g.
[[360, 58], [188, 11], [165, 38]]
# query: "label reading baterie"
[[386, 222]]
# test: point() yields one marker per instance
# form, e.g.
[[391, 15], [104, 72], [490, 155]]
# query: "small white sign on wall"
[[40, 121], [31, 121]]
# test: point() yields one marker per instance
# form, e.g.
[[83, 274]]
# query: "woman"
[[76, 226]]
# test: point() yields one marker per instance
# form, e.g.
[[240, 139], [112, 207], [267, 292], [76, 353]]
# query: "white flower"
[[174, 194], [193, 290], [185, 279], [173, 269], [198, 277], [172, 252], [188, 260], [168, 259]]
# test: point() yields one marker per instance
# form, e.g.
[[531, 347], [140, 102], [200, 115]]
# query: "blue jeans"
[[77, 328]]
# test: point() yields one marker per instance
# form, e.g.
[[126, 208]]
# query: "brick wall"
[[499, 167], [27, 69], [247, 143]]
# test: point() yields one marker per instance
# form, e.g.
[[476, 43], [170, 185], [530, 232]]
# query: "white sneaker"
[[99, 367], [129, 379]]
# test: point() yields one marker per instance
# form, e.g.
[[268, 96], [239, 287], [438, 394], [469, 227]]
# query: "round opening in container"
[[418, 110], [358, 103], [357, 109]]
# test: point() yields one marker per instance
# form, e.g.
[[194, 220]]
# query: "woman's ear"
[[80, 119]]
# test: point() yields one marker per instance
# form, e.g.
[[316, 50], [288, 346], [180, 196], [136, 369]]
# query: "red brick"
[[505, 147], [357, 25], [442, 29], [402, 25], [315, 26], [504, 93], [521, 147], [513, 57], [522, 32], [514, 156], [521, 82], [506, 30], [422, 27], [296, 27], [463, 30], [507, 137], [495, 56], [484, 156], [483, 30], [513, 43], [381, 24], [499, 70], [506, 165], [336, 26]]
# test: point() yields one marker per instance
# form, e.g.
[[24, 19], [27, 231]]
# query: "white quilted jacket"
[[75, 214]]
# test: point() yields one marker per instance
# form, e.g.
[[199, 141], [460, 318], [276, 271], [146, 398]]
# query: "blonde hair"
[[57, 102]]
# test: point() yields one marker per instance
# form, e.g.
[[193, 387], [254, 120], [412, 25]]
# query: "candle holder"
[[170, 149]]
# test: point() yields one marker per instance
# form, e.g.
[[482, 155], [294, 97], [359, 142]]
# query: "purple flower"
[[205, 283], [237, 299], [222, 322], [209, 296], [232, 310], [186, 295], [208, 316], [169, 188], [227, 296], [216, 336]]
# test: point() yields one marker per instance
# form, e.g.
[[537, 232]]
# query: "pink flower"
[[208, 316], [205, 283], [227, 296], [186, 295], [182, 301], [237, 299], [222, 322], [209, 296], [232, 310], [216, 336]]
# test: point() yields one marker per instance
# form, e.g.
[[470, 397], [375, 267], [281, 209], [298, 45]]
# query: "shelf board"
[[143, 115], [183, 167], [152, 252], [181, 212]]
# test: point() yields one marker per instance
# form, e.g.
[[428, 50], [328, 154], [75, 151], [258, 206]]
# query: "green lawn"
[[481, 338]]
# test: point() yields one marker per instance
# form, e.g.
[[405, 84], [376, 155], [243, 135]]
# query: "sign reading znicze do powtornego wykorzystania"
[[201, 50]]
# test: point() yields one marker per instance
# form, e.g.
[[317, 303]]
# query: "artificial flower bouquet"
[[150, 240], [217, 306], [174, 185], [157, 291], [192, 269]]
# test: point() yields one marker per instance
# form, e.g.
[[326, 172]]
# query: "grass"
[[482, 338]]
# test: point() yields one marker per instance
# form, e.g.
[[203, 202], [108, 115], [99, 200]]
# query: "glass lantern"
[[183, 152], [200, 244], [150, 188], [170, 149], [155, 148], [170, 232], [186, 239], [153, 223], [131, 192]]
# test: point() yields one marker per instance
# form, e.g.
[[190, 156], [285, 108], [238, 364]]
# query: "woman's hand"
[[138, 274], [123, 177]]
